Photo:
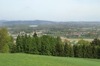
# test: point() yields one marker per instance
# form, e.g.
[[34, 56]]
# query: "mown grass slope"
[[40, 60]]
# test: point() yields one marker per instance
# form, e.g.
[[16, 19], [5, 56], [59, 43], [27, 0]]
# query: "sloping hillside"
[[39, 60]]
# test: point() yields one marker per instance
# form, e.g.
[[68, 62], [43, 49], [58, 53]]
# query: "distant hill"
[[44, 22], [1, 22], [35, 22]]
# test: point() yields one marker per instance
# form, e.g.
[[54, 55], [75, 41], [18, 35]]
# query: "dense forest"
[[48, 45]]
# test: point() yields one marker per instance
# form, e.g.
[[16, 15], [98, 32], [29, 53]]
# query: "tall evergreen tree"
[[71, 51], [76, 50], [59, 47], [35, 34], [98, 52], [95, 42], [66, 49], [45, 45], [19, 43]]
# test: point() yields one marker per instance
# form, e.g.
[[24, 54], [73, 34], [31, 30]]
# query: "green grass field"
[[40, 60]]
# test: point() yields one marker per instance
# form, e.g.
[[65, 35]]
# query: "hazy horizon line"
[[54, 20]]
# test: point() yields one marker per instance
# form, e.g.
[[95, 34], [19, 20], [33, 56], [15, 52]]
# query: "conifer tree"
[[66, 49], [59, 47]]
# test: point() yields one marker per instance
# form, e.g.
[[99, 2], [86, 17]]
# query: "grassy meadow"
[[18, 59]]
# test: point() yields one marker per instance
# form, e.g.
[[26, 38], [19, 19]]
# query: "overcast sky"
[[54, 10]]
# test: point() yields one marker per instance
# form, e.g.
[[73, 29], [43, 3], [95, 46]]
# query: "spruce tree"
[[66, 49], [59, 47]]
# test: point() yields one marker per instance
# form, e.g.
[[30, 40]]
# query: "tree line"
[[48, 45]]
